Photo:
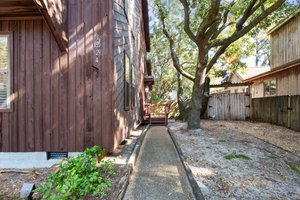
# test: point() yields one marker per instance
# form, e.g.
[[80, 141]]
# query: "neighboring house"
[[75, 75], [232, 83], [284, 77]]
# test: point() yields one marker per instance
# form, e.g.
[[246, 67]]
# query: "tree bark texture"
[[205, 97], [196, 101], [182, 106]]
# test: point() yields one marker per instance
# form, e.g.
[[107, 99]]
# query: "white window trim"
[[9, 71]]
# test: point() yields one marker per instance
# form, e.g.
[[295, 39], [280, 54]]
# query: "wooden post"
[[250, 103], [289, 109]]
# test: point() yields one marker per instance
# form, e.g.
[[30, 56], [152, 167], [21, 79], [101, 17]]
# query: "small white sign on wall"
[[97, 49]]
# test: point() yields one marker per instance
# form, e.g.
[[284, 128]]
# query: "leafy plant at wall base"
[[77, 177]]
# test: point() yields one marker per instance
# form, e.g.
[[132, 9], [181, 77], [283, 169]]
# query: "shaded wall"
[[128, 36], [58, 102], [281, 110]]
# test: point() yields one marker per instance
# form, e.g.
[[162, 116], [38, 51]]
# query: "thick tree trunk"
[[196, 101], [205, 97], [180, 101]]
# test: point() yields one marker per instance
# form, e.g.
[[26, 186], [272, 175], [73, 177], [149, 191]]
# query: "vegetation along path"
[[159, 173]]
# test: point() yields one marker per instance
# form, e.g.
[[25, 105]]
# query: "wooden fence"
[[279, 110], [229, 106]]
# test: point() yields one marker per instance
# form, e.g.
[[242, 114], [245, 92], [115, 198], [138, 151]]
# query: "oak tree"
[[212, 26]]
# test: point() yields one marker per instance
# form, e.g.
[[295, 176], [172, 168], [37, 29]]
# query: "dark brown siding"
[[128, 36], [59, 104]]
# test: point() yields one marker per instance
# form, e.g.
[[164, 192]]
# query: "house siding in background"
[[281, 106], [285, 61]]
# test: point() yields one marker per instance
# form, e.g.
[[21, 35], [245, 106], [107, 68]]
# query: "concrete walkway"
[[158, 173]]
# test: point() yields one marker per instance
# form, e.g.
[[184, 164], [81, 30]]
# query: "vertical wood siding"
[[58, 103], [285, 42], [288, 83], [128, 36], [275, 110]]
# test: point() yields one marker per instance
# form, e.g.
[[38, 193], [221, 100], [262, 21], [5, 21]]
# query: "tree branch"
[[174, 56], [224, 22], [240, 33], [187, 27], [210, 20], [247, 14], [214, 59]]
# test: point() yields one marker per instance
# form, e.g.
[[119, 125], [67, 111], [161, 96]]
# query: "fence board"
[[229, 106], [295, 113], [275, 110]]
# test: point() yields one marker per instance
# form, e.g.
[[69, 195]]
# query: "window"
[[127, 85], [5, 72], [270, 87], [133, 86]]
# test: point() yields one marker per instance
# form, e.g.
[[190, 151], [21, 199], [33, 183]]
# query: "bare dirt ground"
[[264, 175], [12, 180]]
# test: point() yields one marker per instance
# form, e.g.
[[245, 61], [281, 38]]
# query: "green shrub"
[[79, 176]]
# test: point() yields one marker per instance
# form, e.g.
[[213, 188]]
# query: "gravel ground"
[[265, 176]]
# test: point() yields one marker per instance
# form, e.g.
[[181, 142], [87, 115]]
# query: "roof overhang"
[[145, 12], [18, 9], [36, 9], [284, 67], [229, 84]]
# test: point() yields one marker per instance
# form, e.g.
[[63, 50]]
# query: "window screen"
[[4, 71], [133, 86], [127, 82], [270, 87]]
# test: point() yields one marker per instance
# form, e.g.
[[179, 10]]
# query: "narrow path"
[[158, 173]]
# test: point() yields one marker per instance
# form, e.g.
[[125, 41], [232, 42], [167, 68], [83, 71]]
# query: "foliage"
[[79, 176], [165, 86], [214, 33], [293, 167], [234, 156]]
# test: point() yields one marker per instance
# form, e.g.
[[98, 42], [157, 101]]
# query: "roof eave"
[[283, 67]]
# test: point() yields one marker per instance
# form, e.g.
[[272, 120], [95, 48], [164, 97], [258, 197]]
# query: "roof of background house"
[[278, 69], [243, 74], [251, 72]]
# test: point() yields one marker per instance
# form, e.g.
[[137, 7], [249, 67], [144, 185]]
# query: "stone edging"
[[131, 161], [196, 189]]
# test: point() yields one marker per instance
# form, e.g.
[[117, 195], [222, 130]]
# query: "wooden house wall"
[[288, 83], [285, 42], [58, 103], [128, 36], [57, 11]]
